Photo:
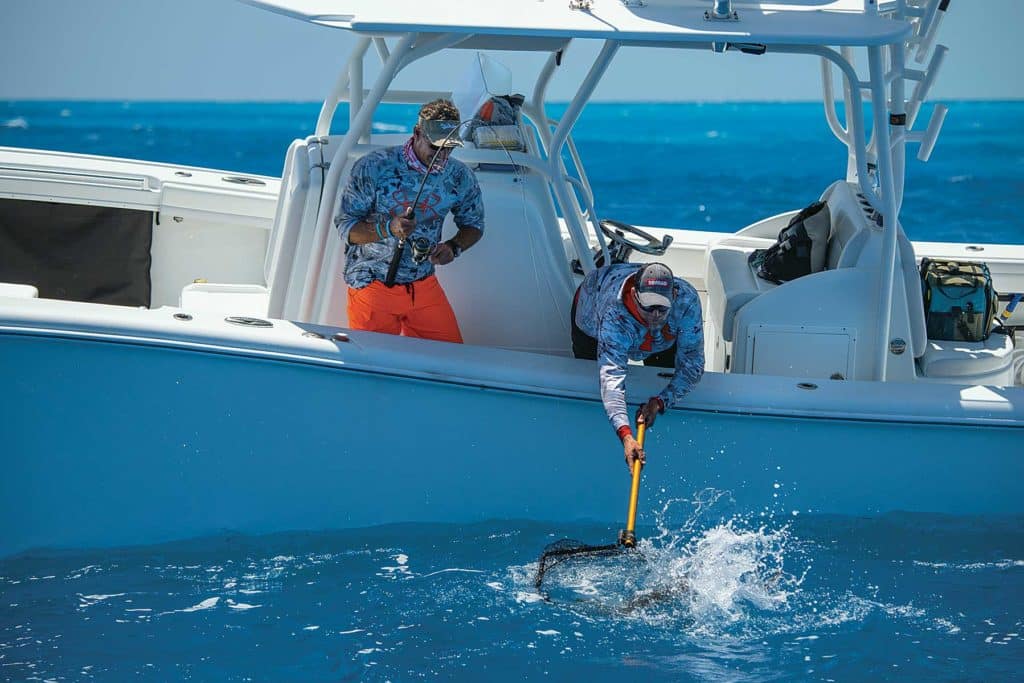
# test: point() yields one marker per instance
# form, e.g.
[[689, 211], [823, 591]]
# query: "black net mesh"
[[567, 550]]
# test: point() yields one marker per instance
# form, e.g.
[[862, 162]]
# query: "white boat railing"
[[578, 210]]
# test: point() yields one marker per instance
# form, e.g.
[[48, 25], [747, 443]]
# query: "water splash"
[[699, 573]]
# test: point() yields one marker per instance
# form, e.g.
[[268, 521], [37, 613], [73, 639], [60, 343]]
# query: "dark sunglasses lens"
[[656, 310]]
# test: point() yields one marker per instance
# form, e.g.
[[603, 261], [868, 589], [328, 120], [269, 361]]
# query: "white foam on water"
[[972, 566], [90, 600], [549, 632], [241, 605], [450, 570], [17, 122], [312, 627], [209, 603], [355, 630], [698, 575], [524, 597]]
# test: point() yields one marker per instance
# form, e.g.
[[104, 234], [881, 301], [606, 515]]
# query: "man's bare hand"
[[442, 254], [632, 452], [649, 411], [402, 226]]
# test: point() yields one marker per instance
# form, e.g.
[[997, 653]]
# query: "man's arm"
[[689, 356], [466, 237], [468, 211], [357, 221], [613, 360], [364, 232], [612, 363]]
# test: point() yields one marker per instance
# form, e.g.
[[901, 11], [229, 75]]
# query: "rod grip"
[[396, 258]]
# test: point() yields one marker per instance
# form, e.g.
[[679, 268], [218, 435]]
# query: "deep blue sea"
[[715, 594], [701, 166]]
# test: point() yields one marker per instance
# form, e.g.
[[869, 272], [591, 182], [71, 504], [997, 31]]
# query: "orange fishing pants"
[[418, 309]]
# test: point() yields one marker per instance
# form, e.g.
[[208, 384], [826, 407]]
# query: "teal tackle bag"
[[959, 301]]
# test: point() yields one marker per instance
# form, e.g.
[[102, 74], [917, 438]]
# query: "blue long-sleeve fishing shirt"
[[384, 184], [601, 314]]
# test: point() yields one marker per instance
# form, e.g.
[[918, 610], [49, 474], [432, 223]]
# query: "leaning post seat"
[[299, 198], [817, 325]]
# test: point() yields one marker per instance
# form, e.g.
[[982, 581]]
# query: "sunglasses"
[[655, 310], [433, 146]]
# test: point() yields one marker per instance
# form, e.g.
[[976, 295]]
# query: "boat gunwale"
[[575, 384]]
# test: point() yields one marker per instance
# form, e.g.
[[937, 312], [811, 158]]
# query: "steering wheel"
[[616, 232]]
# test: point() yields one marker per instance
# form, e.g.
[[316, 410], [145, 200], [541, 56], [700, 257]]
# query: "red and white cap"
[[654, 285]]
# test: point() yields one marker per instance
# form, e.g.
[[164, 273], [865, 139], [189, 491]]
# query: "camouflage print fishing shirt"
[[384, 183], [601, 314]]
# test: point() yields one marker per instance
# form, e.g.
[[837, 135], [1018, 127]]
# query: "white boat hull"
[[138, 434]]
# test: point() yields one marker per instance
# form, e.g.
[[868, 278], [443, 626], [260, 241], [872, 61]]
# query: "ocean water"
[[711, 598], [701, 166], [716, 593]]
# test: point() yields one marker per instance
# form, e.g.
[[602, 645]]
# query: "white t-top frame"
[[889, 30]]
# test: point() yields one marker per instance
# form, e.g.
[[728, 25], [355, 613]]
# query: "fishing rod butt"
[[627, 538]]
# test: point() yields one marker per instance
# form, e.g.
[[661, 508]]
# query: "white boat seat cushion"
[[732, 281], [229, 299], [17, 291], [984, 362]]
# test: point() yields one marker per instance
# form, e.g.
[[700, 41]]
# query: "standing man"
[[626, 312], [377, 211]]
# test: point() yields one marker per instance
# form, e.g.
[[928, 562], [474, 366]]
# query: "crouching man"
[[626, 312]]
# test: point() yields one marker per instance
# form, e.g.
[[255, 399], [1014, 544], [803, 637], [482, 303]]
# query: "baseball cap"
[[440, 132], [654, 285]]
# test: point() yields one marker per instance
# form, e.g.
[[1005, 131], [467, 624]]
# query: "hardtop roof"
[[797, 22]]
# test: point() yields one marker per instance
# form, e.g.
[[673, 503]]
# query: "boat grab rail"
[[576, 160], [591, 216]]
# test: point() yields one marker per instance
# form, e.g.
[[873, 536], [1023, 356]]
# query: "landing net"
[[568, 550]]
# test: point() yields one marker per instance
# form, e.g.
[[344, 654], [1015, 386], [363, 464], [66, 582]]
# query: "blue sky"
[[224, 50]]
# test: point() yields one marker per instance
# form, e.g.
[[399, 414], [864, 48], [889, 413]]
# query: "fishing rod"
[[396, 258]]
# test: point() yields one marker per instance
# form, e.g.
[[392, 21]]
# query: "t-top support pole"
[[573, 218], [889, 207]]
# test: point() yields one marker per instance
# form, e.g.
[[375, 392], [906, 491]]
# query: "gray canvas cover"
[[77, 253]]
